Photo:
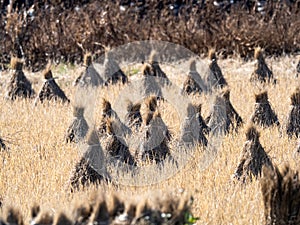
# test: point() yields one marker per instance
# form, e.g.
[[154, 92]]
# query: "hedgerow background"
[[57, 29]]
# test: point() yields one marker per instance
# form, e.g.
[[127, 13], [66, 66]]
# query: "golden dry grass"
[[39, 164]]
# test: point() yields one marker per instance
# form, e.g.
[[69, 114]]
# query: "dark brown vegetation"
[[293, 124], [13, 216], [153, 77], [253, 157], [55, 31], [154, 132], [298, 147], [232, 114], [62, 219], [133, 118], [143, 121], [262, 72], [50, 90], [87, 61], [84, 175], [155, 138], [112, 71], [151, 103], [298, 69], [107, 113], [148, 108], [152, 67], [263, 114], [194, 127], [110, 131], [215, 78], [79, 127], [2, 146], [91, 168], [193, 83], [46, 218], [35, 209], [217, 120], [223, 117], [19, 86], [40, 217], [90, 76], [203, 127], [281, 194], [112, 210], [114, 146]]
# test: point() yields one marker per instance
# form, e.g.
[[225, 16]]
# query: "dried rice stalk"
[[133, 118], [114, 146], [91, 168], [113, 72], [215, 78], [90, 76], [253, 157], [262, 72], [150, 208], [50, 90], [78, 128], [263, 114], [298, 69], [193, 128], [281, 196], [2, 144], [193, 83], [293, 123], [154, 146], [19, 86], [153, 68], [223, 116]]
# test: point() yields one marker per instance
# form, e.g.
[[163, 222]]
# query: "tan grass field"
[[39, 164]]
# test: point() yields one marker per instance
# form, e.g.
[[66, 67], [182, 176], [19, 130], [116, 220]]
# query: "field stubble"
[[39, 163]]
